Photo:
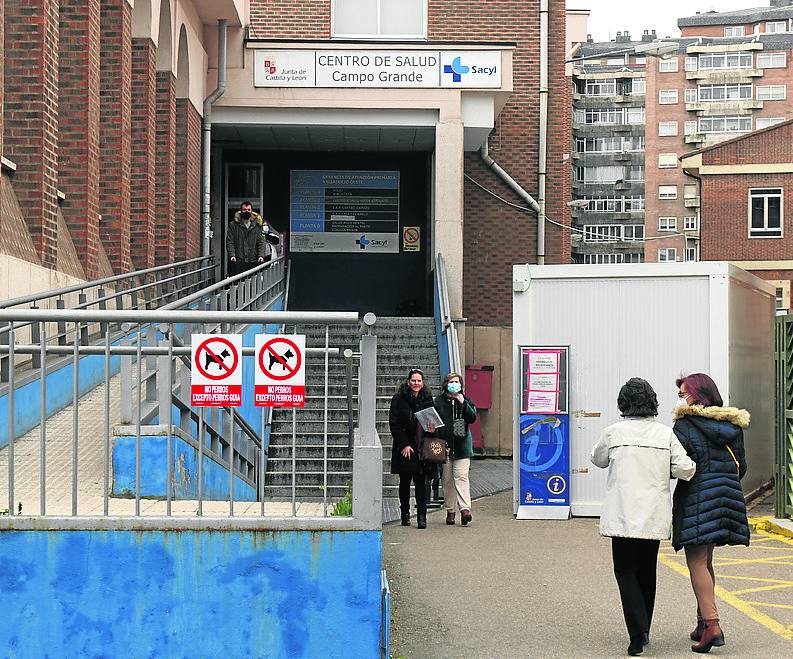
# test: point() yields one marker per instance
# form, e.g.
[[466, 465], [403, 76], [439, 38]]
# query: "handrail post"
[[350, 414], [367, 463]]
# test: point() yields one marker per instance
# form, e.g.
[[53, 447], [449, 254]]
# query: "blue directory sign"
[[344, 211], [544, 465]]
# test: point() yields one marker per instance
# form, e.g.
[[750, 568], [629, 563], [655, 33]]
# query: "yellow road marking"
[[774, 560], [776, 606], [761, 589], [760, 579], [774, 536], [744, 607]]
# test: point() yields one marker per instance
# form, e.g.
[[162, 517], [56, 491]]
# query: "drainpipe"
[[511, 182], [543, 154], [206, 155]]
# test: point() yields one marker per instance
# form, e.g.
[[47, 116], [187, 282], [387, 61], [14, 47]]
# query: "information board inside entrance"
[[344, 211]]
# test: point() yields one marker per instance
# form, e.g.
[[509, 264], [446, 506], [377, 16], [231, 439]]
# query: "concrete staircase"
[[403, 343]]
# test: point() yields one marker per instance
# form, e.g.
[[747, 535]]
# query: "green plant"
[[343, 507]]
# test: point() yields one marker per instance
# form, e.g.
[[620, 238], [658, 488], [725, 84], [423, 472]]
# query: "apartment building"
[[609, 151], [731, 76]]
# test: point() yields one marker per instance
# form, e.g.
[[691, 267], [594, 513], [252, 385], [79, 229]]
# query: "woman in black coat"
[[709, 510], [413, 395]]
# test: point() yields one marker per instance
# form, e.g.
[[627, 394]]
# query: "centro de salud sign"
[[469, 69]]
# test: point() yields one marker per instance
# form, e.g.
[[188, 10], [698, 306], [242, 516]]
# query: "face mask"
[[681, 402], [454, 388], [246, 215]]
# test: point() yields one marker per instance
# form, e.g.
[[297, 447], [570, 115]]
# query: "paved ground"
[[504, 588]]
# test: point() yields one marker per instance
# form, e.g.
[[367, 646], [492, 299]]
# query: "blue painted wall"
[[154, 465], [190, 594]]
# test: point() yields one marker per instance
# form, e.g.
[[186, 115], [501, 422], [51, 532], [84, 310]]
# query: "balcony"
[[716, 76], [692, 202], [718, 108], [695, 138]]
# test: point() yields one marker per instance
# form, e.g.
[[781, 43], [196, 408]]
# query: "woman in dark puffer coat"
[[709, 510]]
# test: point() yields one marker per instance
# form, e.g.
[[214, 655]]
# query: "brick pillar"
[[31, 116], [115, 131], [2, 90], [144, 114], [78, 124], [188, 180], [165, 166]]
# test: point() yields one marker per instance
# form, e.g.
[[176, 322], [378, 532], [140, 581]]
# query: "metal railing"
[[444, 321], [783, 473], [78, 478]]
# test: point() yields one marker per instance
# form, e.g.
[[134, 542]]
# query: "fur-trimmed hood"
[[734, 415]]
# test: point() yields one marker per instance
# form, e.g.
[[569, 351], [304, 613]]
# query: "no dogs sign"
[[216, 373], [280, 371]]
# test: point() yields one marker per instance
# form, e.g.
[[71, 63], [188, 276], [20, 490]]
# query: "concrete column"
[[449, 206]]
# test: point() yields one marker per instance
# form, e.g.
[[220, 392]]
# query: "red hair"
[[702, 389]]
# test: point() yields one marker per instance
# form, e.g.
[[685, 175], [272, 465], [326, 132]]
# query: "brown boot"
[[712, 636], [696, 633], [450, 518]]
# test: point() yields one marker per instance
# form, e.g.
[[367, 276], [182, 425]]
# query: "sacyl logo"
[[363, 242], [457, 69], [269, 66]]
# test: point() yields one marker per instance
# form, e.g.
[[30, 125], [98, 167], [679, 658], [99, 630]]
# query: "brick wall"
[[290, 19], [115, 131], [31, 115], [78, 124], [497, 236], [188, 181], [144, 112], [2, 30], [165, 166], [772, 145]]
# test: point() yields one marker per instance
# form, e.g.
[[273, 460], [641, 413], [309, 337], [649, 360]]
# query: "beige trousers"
[[456, 488]]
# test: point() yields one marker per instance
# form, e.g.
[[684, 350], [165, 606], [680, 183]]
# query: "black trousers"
[[420, 483], [635, 563]]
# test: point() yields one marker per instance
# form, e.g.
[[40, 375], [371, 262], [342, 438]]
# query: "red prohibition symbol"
[[269, 348], [213, 358], [411, 235]]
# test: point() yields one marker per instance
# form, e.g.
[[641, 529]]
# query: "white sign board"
[[390, 69], [280, 379], [216, 373]]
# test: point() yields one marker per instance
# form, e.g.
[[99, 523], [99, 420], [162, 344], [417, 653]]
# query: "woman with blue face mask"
[[458, 412]]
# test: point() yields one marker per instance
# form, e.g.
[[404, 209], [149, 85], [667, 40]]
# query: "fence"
[[783, 476]]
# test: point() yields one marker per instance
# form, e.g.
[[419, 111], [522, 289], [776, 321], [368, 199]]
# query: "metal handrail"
[[96, 282], [449, 328]]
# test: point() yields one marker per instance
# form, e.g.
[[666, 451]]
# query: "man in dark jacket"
[[247, 241]]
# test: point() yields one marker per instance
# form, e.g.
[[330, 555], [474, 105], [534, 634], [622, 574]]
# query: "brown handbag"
[[434, 450]]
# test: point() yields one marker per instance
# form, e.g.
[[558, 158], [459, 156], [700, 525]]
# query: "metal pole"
[[138, 421], [261, 460], [43, 422], [11, 430], [75, 413], [325, 432], [106, 479], [200, 461], [231, 459], [169, 416], [294, 463]]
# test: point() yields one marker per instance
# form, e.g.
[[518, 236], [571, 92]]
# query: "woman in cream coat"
[[641, 456]]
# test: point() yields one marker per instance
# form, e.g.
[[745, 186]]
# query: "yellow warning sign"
[[411, 239]]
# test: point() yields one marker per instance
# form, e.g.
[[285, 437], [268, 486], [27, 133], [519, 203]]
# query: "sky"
[[608, 17]]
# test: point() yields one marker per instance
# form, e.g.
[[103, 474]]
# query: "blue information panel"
[[544, 463]]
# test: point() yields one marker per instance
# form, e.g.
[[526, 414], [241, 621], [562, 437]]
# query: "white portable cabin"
[[656, 321]]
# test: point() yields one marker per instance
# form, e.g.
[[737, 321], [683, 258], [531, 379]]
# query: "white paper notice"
[[543, 382], [542, 402], [429, 416], [544, 362]]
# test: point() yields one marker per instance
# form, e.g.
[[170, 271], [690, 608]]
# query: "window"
[[667, 192], [691, 254], [771, 60], [772, 93], [725, 61], [667, 96], [615, 61], [602, 259], [606, 233], [641, 60], [403, 19], [628, 204], [765, 122], [740, 124], [691, 96], [603, 116], [667, 254], [691, 63], [774, 27], [667, 65], [734, 31], [667, 160], [579, 116], [638, 87], [690, 223], [736, 92], [635, 143], [635, 116], [601, 87], [633, 232], [691, 127], [667, 128], [667, 224], [634, 173], [765, 213], [599, 145], [603, 174]]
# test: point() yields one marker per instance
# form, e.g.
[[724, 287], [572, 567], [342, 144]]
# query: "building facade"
[[746, 217]]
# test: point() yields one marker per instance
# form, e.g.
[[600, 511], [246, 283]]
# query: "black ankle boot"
[[421, 519], [405, 519], [635, 648]]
